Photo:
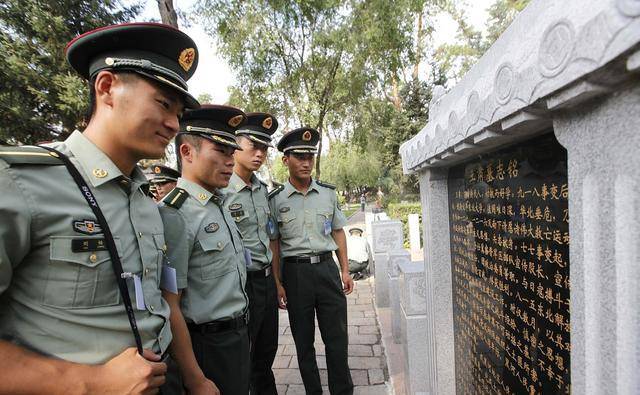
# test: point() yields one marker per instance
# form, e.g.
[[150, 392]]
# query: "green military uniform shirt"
[[206, 249], [58, 291], [250, 210], [305, 221]]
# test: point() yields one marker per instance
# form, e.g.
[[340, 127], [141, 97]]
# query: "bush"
[[401, 211]]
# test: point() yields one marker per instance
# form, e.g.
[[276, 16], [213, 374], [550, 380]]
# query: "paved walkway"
[[366, 357]]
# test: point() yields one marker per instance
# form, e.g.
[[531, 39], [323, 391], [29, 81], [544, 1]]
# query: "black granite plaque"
[[509, 223]]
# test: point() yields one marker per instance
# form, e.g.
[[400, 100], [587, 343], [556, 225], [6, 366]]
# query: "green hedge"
[[401, 212]]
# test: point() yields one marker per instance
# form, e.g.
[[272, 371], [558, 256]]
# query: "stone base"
[[382, 279], [413, 331], [394, 303]]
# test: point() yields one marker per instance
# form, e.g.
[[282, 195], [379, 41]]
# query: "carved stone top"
[[553, 56]]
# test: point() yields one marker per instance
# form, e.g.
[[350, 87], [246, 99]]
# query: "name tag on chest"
[[85, 245]]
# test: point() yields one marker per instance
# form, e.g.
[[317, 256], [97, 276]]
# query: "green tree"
[[41, 98], [310, 61], [351, 169], [205, 98]]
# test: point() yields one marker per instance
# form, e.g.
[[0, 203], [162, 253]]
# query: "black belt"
[[325, 256], [262, 273], [219, 325]]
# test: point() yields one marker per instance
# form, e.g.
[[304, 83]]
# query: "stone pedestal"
[[396, 258], [387, 236], [381, 261], [413, 326]]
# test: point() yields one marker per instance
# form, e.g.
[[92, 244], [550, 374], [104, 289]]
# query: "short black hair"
[[125, 76], [193, 140]]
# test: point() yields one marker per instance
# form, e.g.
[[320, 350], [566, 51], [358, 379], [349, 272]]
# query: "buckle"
[[314, 259]]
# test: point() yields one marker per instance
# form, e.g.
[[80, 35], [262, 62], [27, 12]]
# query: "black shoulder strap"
[[28, 155], [326, 185], [275, 192], [111, 245], [176, 198]]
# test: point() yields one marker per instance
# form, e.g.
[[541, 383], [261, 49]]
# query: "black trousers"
[[316, 289], [224, 359], [263, 332]]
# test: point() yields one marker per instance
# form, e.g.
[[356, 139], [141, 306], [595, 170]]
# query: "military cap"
[[164, 174], [356, 231], [217, 123], [299, 141], [259, 127], [157, 51]]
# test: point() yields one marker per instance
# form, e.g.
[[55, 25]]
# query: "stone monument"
[[530, 186], [386, 236]]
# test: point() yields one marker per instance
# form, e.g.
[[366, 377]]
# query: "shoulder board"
[[28, 155], [275, 192], [176, 198], [324, 184]]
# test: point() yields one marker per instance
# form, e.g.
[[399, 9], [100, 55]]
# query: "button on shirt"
[[64, 301], [249, 208], [305, 221], [205, 248]]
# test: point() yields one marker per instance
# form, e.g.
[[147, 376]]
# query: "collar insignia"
[[186, 58], [87, 227], [212, 227], [100, 173]]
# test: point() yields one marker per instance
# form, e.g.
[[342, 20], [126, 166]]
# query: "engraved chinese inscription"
[[510, 240]]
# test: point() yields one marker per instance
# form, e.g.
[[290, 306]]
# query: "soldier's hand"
[[204, 387], [131, 373], [282, 297], [347, 282]]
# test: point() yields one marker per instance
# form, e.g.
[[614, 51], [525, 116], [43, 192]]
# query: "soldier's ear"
[[104, 88], [285, 160], [186, 152]]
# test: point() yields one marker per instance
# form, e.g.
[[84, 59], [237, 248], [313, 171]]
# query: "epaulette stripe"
[[176, 198], [275, 192], [24, 153]]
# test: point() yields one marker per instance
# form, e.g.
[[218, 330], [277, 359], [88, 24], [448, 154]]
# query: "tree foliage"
[[41, 98], [310, 61]]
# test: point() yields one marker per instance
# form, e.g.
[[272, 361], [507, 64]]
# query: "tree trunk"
[[168, 13], [420, 35], [395, 94], [319, 152]]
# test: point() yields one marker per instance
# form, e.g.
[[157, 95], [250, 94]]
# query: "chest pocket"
[[220, 256], [77, 280], [322, 217], [287, 224]]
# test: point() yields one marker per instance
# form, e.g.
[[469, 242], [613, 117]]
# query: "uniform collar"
[[290, 189], [237, 184], [98, 167], [199, 193]]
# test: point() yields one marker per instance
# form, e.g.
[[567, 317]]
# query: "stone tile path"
[[366, 358]]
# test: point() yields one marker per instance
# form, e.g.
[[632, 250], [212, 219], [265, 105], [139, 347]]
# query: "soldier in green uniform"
[[246, 199], [63, 321], [309, 229], [163, 181], [209, 304]]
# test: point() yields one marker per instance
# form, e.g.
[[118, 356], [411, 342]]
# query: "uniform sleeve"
[[339, 220], [15, 226], [178, 241], [274, 233]]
